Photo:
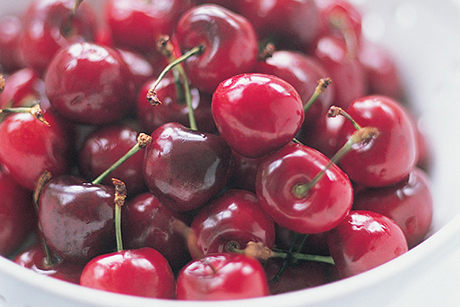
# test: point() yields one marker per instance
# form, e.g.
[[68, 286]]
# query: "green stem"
[[320, 88], [120, 196], [336, 111], [306, 257]]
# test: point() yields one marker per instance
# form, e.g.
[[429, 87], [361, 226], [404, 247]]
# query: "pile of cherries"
[[204, 151]]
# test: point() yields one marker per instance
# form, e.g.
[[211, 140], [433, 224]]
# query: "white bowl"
[[423, 35]]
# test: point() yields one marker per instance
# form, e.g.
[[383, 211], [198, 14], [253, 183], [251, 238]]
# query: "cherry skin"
[[105, 146], [139, 66], [10, 37], [321, 208], [147, 223], [34, 259], [390, 157], [23, 88], [17, 214], [76, 218], [90, 84], [185, 168], [51, 25], [222, 277], [229, 41], [240, 100], [235, 216], [244, 172], [408, 203], [365, 240], [28, 147], [140, 272]]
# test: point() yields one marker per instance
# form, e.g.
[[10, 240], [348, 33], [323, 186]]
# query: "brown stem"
[[320, 88], [2, 83], [267, 52], [335, 111]]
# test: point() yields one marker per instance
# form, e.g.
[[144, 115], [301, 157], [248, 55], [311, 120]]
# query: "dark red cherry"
[[244, 172], [28, 147], [17, 214], [365, 240], [139, 66], [141, 272], [90, 84], [76, 218], [50, 25], [235, 216], [23, 88], [10, 37], [283, 191], [257, 113], [147, 223], [174, 107], [229, 41], [138, 24], [408, 203], [185, 168], [390, 157], [222, 277], [34, 258], [105, 146]]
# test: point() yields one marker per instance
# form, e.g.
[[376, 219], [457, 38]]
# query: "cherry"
[[104, 146], [222, 277], [228, 40], [90, 84], [147, 223], [141, 272], [280, 184], [28, 147], [312, 244], [389, 158], [139, 24], [34, 258], [234, 217], [51, 25], [408, 203], [238, 101], [76, 218], [365, 240], [139, 66], [10, 36], [16, 213], [185, 168], [244, 172], [23, 88]]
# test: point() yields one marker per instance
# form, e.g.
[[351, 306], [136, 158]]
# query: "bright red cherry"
[[365, 240], [10, 37], [235, 216], [390, 157], [222, 277], [90, 84], [257, 113], [185, 168], [228, 40], [408, 203], [284, 191], [141, 272]]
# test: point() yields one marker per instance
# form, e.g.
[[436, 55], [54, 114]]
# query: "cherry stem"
[[335, 111], [267, 52], [142, 141], [340, 22], [362, 135], [166, 48], [320, 88], [119, 200], [2, 83], [36, 111]]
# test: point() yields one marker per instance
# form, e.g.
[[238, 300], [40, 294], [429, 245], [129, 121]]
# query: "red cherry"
[[244, 172], [389, 158], [147, 223], [141, 272], [222, 277], [34, 259], [185, 168], [240, 100], [90, 84], [408, 203], [365, 240], [229, 41], [139, 66], [23, 88], [76, 218], [17, 214], [10, 37], [235, 216]]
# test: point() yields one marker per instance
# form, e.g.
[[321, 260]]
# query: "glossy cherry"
[[10, 37], [389, 158], [140, 272], [185, 168], [90, 84], [365, 240], [222, 277], [228, 40], [139, 66], [408, 203], [240, 100], [23, 88], [235, 216], [319, 208]]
